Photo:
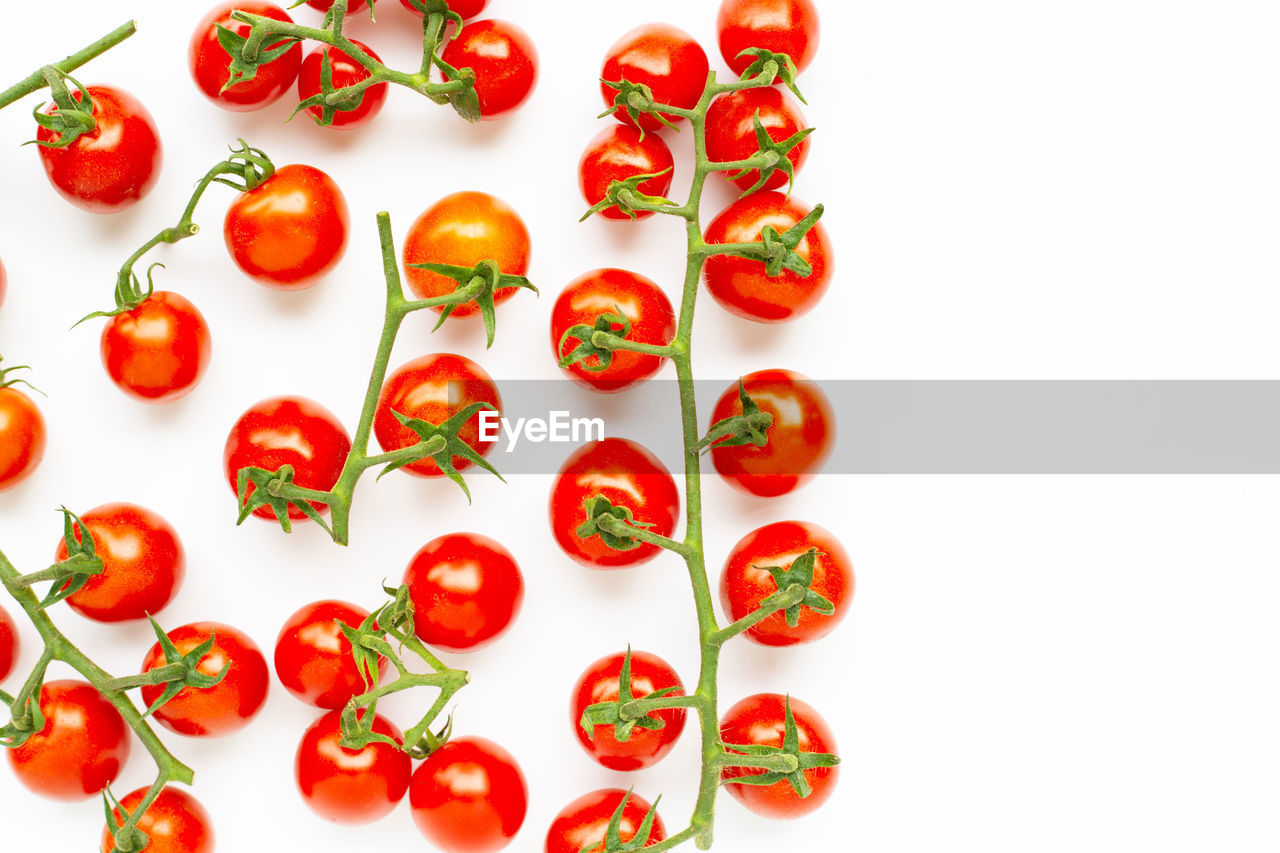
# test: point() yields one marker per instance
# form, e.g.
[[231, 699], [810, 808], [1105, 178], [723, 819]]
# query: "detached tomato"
[[760, 720], [464, 8], [350, 786], [230, 704], [504, 60], [580, 827], [159, 351], [210, 63], [600, 682], [782, 26], [9, 644], [175, 822], [81, 749], [469, 796], [731, 131], [618, 152], [112, 166], [346, 72], [666, 59], [22, 437], [466, 591], [314, 660]]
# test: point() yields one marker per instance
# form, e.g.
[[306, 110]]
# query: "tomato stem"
[[38, 79]]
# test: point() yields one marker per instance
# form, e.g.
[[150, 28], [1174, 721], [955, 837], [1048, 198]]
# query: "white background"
[[1016, 190]]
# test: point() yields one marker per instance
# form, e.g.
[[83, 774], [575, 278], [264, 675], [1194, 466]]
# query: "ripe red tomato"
[[464, 8], [782, 26], [157, 352], [175, 822], [608, 291], [433, 388], [466, 591], [731, 131], [230, 704], [746, 580], [288, 431], [666, 59], [800, 439], [346, 72], [616, 153], [469, 796], [760, 720], [209, 62], [464, 229], [143, 564], [600, 682], [580, 827], [82, 747], [3, 284], [22, 437], [353, 6], [112, 166], [313, 658], [627, 475], [10, 645], [350, 786], [290, 231], [504, 60]]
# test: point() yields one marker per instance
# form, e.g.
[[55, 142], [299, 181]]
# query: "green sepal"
[[368, 645], [635, 99], [750, 427], [328, 110], [466, 101], [70, 119], [191, 675], [786, 68], [273, 489], [790, 746], [781, 148], [240, 69], [613, 842], [777, 251], [801, 572], [431, 741], [453, 446], [129, 294], [610, 713], [6, 382], [81, 563], [597, 507], [396, 614], [134, 839], [586, 349], [357, 727], [441, 7], [613, 196], [22, 727], [491, 279]]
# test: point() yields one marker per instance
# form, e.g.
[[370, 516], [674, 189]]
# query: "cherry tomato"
[[627, 475], [731, 131], [210, 63], [610, 291], [82, 747], [313, 658], [157, 352], [22, 437], [175, 822], [666, 59], [782, 26], [464, 229], [433, 388], [346, 72], [464, 8], [346, 785], [504, 60], [466, 591], [290, 231], [600, 682], [760, 720], [580, 827], [800, 438], [112, 166], [10, 645], [353, 6], [288, 431], [469, 796], [230, 704], [619, 152], [3, 284]]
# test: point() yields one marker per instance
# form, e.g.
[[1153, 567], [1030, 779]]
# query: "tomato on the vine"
[[663, 57], [351, 786], [466, 591], [580, 827], [175, 822], [210, 63], [469, 796], [224, 708], [325, 5], [619, 152], [22, 436], [345, 72], [9, 644], [313, 658], [782, 26], [760, 720], [157, 352], [504, 60], [601, 682], [731, 131], [464, 8]]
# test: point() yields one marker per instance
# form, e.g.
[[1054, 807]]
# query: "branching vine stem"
[[40, 78]]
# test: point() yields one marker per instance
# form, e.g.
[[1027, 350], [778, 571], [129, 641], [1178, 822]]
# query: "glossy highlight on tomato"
[[350, 786], [209, 62], [663, 57], [10, 644], [175, 822], [504, 60], [601, 682], [157, 352], [466, 590], [22, 437], [760, 720], [313, 658], [229, 705], [782, 26], [345, 72], [620, 152], [581, 825], [469, 796], [731, 131]]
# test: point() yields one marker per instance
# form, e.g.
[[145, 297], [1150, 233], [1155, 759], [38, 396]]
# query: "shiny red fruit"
[[466, 591], [601, 682], [313, 658], [760, 720], [81, 749], [469, 796], [345, 71], [209, 61], [731, 131], [782, 26], [504, 60], [229, 705], [580, 827], [157, 352], [175, 822], [350, 786], [619, 152], [22, 437], [10, 645], [666, 59]]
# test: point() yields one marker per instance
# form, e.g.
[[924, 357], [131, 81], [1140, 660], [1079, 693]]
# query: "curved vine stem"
[[39, 79]]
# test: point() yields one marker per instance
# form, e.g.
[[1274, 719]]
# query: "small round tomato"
[[175, 822], [731, 131], [464, 8], [143, 564], [313, 658], [504, 60], [293, 431], [4, 284], [353, 6], [466, 591], [22, 437], [112, 166], [627, 475], [580, 827], [157, 352], [229, 705], [619, 152], [469, 796], [782, 26], [464, 229], [600, 682], [610, 291], [210, 63], [666, 59], [800, 438], [290, 231], [433, 388], [9, 644], [346, 72], [351, 786], [82, 747], [760, 720]]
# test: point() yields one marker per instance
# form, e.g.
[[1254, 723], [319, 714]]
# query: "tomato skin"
[[290, 231], [350, 786], [583, 823], [626, 474], [22, 437], [81, 749], [617, 153], [209, 63], [469, 796], [353, 6], [800, 439], [4, 284], [346, 72], [175, 822], [229, 705], [10, 644], [159, 351], [731, 132], [782, 26], [313, 659], [666, 59], [466, 591], [114, 165], [641, 301], [504, 60], [600, 682], [464, 8], [760, 719]]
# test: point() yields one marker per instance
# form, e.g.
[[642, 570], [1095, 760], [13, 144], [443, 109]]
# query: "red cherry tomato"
[[580, 827], [10, 645], [353, 6], [464, 8], [22, 437], [157, 352], [3, 284], [112, 166], [760, 720], [288, 431], [616, 153], [290, 231], [731, 131], [469, 796], [466, 591], [346, 72], [504, 60], [230, 704], [782, 26], [464, 229], [347, 785], [210, 63], [666, 59], [800, 439], [627, 475], [175, 822], [313, 659], [81, 749], [600, 682]]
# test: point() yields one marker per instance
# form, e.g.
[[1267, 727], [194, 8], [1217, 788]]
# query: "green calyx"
[[750, 427], [776, 153], [634, 99], [476, 284], [247, 53], [626, 196], [779, 63], [6, 382], [800, 572], [618, 713], [610, 523], [440, 442], [71, 117], [181, 671], [127, 838], [275, 489], [613, 842], [790, 747], [587, 353]]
